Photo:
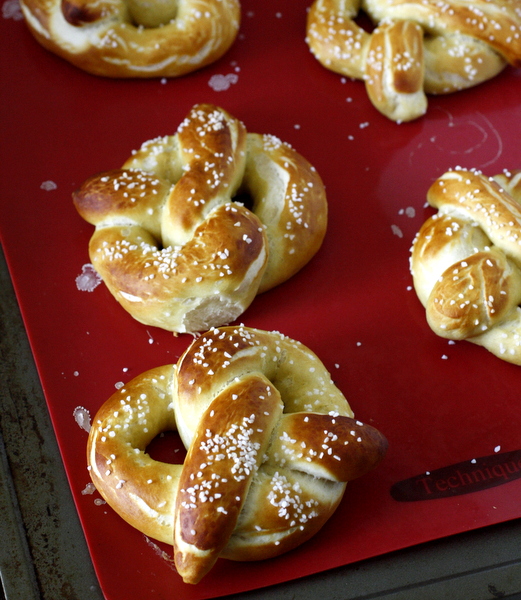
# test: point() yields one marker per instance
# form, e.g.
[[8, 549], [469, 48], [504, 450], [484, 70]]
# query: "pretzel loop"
[[271, 444]]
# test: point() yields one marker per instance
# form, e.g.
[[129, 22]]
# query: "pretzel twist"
[[271, 444], [417, 47], [135, 38], [466, 261], [173, 246]]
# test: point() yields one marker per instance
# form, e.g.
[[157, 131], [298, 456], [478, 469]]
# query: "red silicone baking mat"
[[438, 404]]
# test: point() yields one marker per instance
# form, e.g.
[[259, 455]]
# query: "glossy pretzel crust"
[[466, 260], [415, 47], [271, 444], [175, 244], [135, 38]]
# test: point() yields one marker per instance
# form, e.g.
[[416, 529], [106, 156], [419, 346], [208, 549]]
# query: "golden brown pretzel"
[[418, 47], [271, 444], [466, 260], [170, 243], [135, 38]]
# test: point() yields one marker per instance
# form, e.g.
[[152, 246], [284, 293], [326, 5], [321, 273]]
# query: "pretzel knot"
[[417, 47], [271, 444], [466, 260], [135, 38], [173, 241]]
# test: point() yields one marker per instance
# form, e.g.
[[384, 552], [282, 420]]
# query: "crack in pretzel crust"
[[415, 47], [135, 38], [271, 443], [466, 260], [175, 244]]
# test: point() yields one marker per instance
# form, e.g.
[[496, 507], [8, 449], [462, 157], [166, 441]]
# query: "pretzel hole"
[[244, 198], [167, 447], [363, 21], [152, 13]]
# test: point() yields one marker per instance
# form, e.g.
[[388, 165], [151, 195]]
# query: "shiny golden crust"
[[418, 47], [289, 198], [141, 490], [298, 441], [271, 444], [135, 38], [395, 70], [466, 261], [173, 246]]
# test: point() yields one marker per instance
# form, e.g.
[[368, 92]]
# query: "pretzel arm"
[[212, 147], [474, 295], [395, 70], [497, 24], [123, 196], [480, 199], [455, 62], [332, 447], [214, 272], [232, 437]]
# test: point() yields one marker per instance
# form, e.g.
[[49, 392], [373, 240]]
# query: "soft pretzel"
[[417, 47], [135, 38], [466, 260], [271, 444], [171, 244]]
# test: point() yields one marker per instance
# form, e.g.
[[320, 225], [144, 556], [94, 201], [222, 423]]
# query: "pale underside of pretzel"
[[135, 38], [416, 48], [466, 260], [271, 444], [173, 241]]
